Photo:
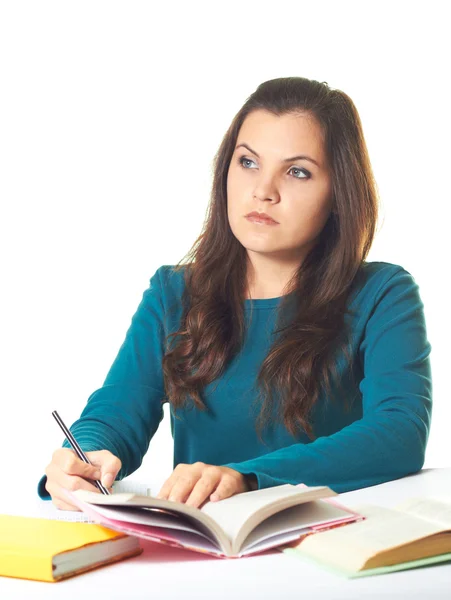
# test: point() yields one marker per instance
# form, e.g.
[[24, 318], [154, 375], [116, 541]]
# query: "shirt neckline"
[[262, 302]]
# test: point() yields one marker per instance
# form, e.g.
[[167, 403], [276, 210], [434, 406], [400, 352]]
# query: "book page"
[[349, 547], [244, 511], [433, 509], [149, 517], [76, 516], [134, 487], [224, 518], [302, 517]]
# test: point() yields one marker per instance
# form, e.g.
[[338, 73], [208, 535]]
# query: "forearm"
[[368, 452]]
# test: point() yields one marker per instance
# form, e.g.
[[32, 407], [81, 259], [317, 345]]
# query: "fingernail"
[[214, 497], [107, 480]]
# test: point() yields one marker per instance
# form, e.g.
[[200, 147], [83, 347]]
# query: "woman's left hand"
[[193, 484]]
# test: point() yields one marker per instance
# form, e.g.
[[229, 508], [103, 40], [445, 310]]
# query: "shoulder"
[[169, 275], [387, 297], [379, 271], [166, 287], [376, 278], [390, 320], [170, 278]]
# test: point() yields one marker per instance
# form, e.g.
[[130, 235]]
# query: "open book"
[[243, 524], [49, 511], [412, 534]]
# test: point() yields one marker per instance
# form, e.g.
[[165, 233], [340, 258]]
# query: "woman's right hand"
[[67, 471]]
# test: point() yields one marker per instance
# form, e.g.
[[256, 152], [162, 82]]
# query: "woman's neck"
[[268, 278]]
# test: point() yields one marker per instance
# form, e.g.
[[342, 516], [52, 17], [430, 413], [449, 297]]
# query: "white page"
[[230, 514], [274, 541], [147, 517], [351, 546], [295, 518], [51, 512], [241, 507], [136, 487], [432, 509]]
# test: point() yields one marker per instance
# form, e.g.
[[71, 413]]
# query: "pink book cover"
[[164, 536], [148, 532], [354, 517]]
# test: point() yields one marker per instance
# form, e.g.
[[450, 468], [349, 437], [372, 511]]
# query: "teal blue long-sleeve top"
[[382, 437]]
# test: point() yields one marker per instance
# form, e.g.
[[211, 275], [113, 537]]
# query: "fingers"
[[194, 484], [61, 505], [109, 464], [209, 481], [228, 486], [182, 480], [68, 462], [67, 471], [57, 484]]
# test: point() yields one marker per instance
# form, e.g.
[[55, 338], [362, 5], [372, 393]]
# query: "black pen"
[[73, 442]]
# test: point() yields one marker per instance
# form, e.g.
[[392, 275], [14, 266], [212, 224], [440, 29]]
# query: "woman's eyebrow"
[[300, 157]]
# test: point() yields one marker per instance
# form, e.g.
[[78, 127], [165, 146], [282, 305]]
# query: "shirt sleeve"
[[123, 415], [389, 441]]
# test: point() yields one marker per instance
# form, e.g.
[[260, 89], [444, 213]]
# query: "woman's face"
[[296, 192]]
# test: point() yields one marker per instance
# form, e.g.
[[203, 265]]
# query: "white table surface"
[[161, 572]]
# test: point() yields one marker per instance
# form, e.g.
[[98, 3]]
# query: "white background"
[[110, 114]]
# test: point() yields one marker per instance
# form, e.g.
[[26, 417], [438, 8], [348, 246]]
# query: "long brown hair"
[[212, 327]]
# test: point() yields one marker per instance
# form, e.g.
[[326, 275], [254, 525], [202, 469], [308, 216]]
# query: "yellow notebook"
[[46, 550]]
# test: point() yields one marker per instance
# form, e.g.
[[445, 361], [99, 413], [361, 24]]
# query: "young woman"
[[284, 355]]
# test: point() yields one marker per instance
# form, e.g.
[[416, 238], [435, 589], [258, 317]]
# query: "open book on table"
[[49, 511], [412, 534], [243, 524]]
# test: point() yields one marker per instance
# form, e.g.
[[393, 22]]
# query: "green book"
[[413, 534]]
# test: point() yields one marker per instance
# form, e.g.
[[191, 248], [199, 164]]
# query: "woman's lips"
[[261, 220]]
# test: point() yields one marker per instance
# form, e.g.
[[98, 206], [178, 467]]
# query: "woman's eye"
[[243, 160], [306, 173]]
